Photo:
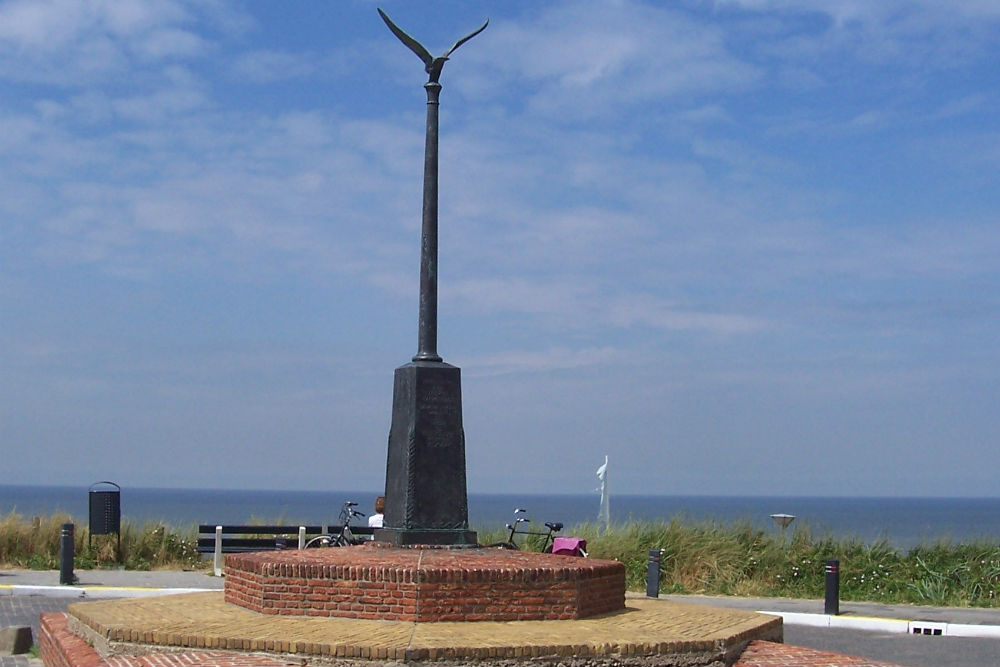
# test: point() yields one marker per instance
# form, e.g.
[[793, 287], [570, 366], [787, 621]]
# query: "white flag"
[[604, 515]]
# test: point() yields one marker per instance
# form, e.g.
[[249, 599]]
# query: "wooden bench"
[[219, 539]]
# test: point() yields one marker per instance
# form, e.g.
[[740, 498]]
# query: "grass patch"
[[697, 557], [740, 559], [34, 544]]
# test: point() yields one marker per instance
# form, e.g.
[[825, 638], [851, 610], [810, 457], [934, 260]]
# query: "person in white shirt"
[[375, 520]]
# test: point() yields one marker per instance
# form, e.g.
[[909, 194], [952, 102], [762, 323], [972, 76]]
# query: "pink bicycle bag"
[[569, 546]]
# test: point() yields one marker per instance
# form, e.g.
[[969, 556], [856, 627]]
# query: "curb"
[[891, 625], [94, 592], [864, 623]]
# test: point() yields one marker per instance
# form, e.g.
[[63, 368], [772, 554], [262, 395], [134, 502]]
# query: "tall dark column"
[[427, 323], [425, 491]]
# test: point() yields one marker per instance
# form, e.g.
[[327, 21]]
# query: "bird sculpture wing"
[[465, 39], [413, 44]]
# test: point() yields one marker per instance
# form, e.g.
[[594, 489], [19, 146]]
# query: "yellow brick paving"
[[204, 620]]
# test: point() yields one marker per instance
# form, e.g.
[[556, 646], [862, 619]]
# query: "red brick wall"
[[60, 647], [770, 654], [436, 585]]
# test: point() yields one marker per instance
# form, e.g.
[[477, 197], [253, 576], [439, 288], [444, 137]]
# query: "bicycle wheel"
[[505, 545], [320, 541]]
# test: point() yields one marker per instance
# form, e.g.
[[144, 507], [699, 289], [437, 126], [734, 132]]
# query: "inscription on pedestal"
[[440, 416], [425, 489]]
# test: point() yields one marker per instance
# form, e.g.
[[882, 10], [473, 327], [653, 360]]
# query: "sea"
[[902, 522]]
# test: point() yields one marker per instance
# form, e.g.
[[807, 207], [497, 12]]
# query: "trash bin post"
[[653, 574], [66, 550], [105, 512], [832, 605]]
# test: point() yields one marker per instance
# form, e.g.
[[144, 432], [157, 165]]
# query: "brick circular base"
[[421, 584]]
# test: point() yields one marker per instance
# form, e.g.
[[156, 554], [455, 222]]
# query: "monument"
[[426, 498], [397, 600]]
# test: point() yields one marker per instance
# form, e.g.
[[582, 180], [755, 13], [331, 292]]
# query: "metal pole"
[[427, 323], [653, 574], [832, 606], [66, 576], [217, 561]]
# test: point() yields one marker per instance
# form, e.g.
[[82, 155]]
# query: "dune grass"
[[697, 557], [740, 559], [34, 543]]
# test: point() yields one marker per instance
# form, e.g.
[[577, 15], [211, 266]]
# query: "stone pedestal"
[[424, 584], [425, 491]]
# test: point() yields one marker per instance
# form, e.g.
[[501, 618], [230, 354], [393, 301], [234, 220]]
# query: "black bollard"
[[66, 576], [653, 574], [832, 606]]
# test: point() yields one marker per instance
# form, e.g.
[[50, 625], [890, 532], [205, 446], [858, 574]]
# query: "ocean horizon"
[[903, 522]]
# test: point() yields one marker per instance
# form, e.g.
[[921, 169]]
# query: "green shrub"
[[35, 544]]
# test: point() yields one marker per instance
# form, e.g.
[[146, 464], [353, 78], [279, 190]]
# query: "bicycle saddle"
[[557, 526]]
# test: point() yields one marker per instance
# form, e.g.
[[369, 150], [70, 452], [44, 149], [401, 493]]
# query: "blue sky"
[[740, 247]]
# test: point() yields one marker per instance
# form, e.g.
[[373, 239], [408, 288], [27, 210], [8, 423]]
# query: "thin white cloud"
[[75, 42], [561, 298], [594, 59], [269, 66], [538, 361], [965, 105], [928, 33], [647, 310], [171, 43], [844, 12], [179, 95]]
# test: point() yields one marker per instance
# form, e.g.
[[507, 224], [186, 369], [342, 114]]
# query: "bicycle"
[[343, 538], [509, 543]]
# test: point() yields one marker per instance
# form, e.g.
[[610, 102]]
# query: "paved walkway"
[[958, 615], [97, 584], [646, 627], [25, 610], [901, 619], [29, 593], [26, 594]]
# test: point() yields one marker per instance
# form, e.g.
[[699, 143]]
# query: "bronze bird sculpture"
[[432, 65]]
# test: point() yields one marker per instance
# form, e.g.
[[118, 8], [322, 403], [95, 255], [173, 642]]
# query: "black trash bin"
[[105, 510]]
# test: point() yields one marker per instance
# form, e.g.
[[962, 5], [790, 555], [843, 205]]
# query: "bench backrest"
[[219, 538]]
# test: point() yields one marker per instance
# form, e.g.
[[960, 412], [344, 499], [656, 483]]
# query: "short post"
[[302, 537], [217, 563], [832, 606], [783, 520], [653, 574], [66, 576]]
